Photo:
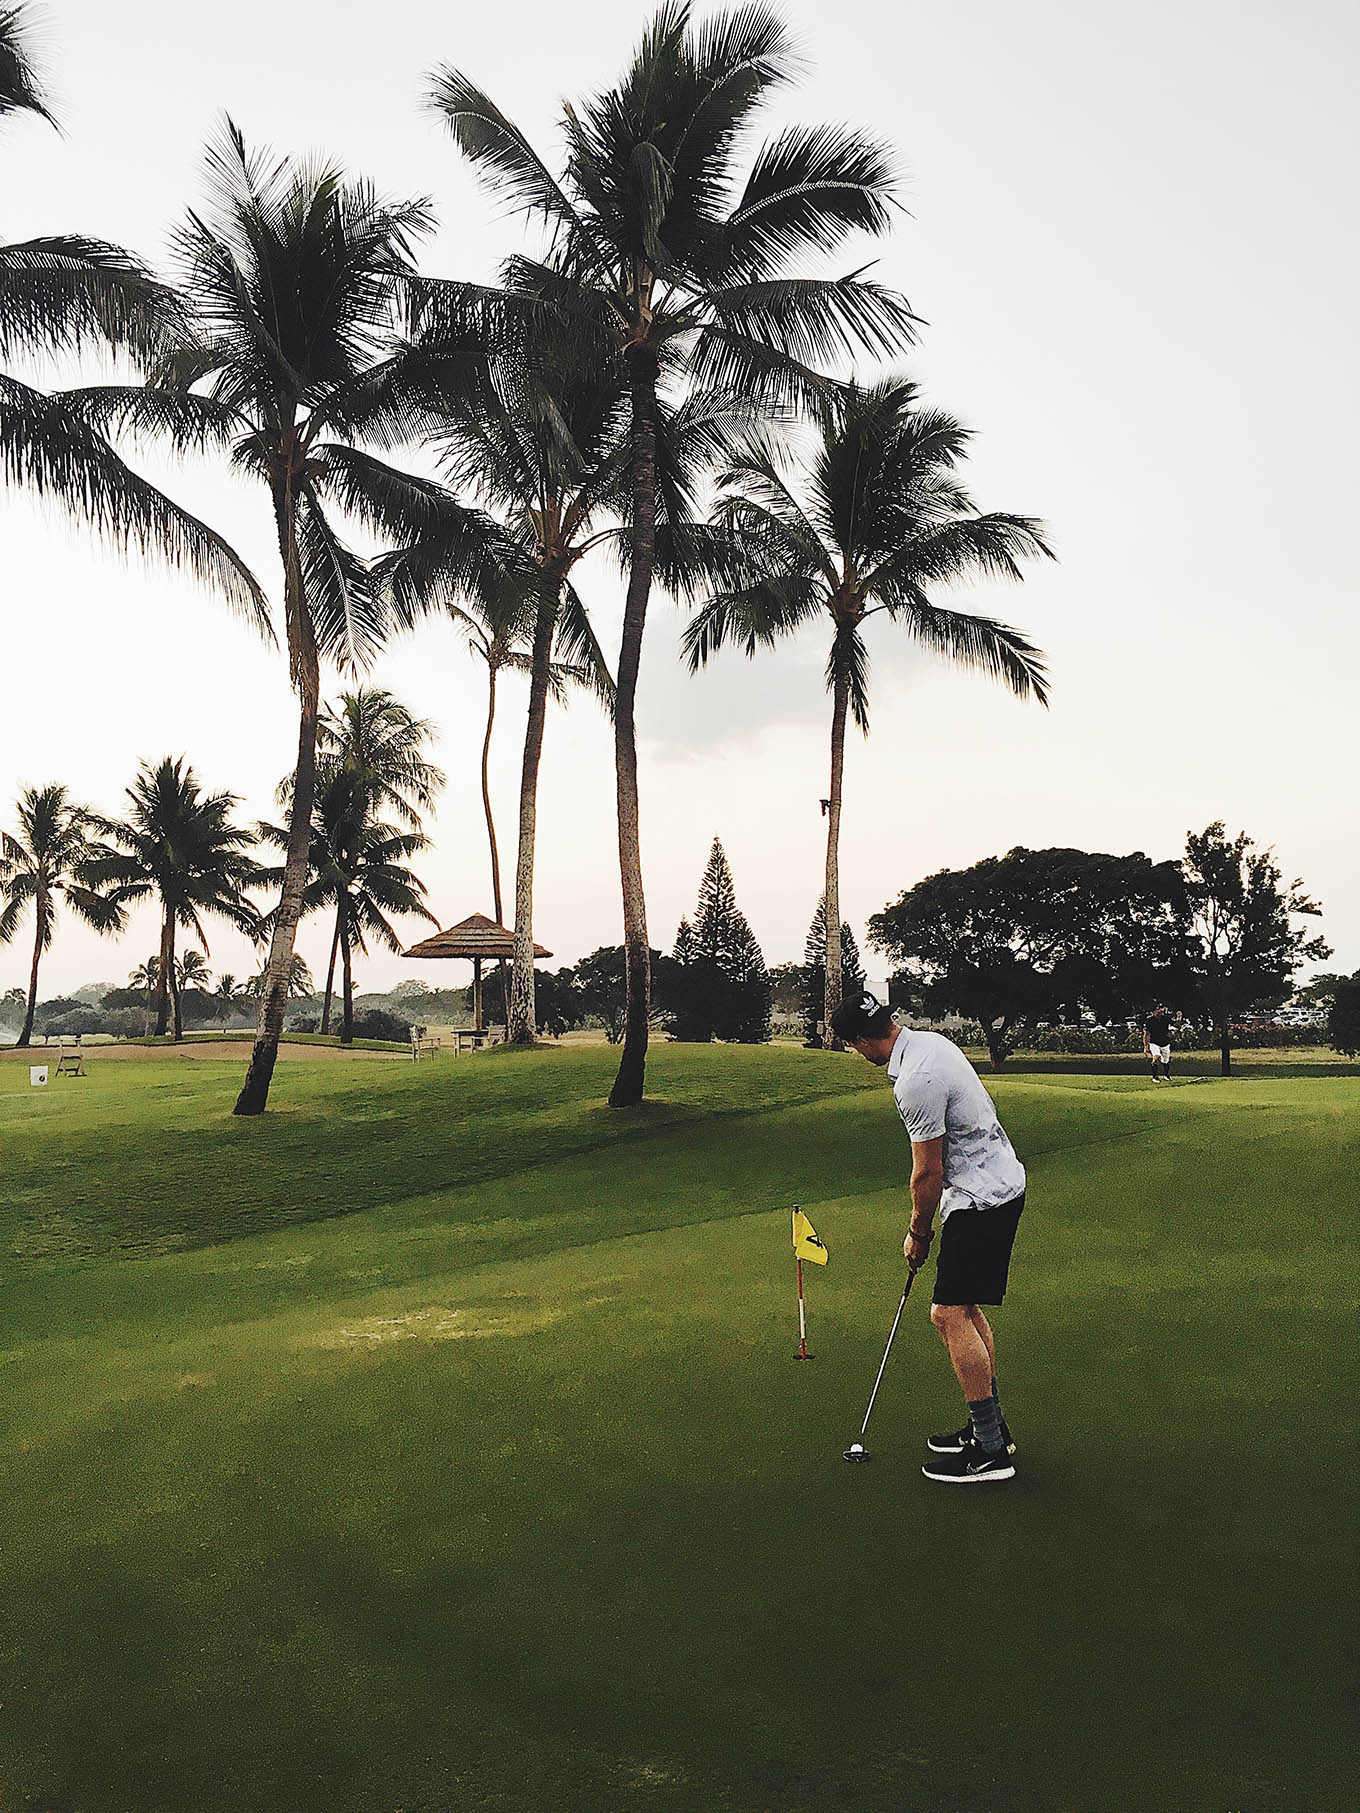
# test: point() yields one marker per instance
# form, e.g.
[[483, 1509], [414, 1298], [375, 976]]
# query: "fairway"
[[436, 1442]]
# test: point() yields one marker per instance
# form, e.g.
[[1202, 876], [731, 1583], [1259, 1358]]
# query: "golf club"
[[857, 1451]]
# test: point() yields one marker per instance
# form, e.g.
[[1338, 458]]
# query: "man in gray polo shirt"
[[964, 1167]]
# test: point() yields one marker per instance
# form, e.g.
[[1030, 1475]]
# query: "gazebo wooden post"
[[477, 994]]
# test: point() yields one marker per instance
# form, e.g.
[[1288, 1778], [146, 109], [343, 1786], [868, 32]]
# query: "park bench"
[[71, 1059], [422, 1045]]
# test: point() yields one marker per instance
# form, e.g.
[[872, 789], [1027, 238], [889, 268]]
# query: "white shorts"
[[1162, 1053]]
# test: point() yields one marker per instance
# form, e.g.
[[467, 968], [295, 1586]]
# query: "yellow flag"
[[806, 1244]]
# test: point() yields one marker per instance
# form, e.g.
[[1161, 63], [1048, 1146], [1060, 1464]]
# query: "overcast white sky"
[[1130, 232]]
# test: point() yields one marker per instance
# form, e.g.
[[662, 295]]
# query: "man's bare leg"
[[969, 1353], [984, 1328]]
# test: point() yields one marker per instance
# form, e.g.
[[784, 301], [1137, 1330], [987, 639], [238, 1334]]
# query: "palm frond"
[[982, 644], [346, 608], [46, 445], [21, 88], [498, 151], [808, 189], [60, 294]]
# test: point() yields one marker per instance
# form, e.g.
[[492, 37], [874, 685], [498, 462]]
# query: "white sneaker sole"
[[994, 1476]]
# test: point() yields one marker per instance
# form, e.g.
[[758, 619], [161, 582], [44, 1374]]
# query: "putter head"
[[855, 1453]]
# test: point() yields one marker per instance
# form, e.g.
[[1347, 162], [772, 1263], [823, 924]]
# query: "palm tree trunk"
[[306, 667], [522, 1026], [347, 983], [629, 1083], [174, 986], [40, 920], [496, 904], [330, 971], [840, 702], [164, 974], [1224, 1050]]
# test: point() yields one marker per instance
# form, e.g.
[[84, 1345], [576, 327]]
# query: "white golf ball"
[[857, 1447]]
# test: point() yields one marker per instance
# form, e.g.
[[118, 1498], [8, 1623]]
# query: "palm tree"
[[545, 447], [65, 294], [659, 249], [291, 280], [192, 972], [300, 984], [374, 736], [50, 860], [227, 993], [880, 524], [358, 867], [369, 755], [178, 845]]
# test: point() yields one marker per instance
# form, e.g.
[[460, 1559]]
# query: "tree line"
[[179, 847], [1036, 936], [653, 376]]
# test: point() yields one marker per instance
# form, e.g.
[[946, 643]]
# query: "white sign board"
[[37, 1075]]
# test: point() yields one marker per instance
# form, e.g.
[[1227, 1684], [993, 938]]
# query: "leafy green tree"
[[661, 253], [1039, 934], [717, 985], [50, 861], [602, 978], [812, 994], [878, 523], [69, 294], [1244, 944], [177, 845], [292, 279], [1343, 1016], [786, 987]]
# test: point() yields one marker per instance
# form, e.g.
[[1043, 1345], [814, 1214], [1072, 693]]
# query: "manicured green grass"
[[436, 1443]]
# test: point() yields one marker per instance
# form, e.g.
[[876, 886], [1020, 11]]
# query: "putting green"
[[482, 1475]]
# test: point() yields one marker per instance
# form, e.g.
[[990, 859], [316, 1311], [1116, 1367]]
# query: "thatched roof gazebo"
[[475, 939]]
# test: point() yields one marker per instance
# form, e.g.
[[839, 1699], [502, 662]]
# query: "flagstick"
[[803, 1353]]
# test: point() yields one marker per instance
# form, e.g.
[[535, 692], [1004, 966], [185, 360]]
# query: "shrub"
[[373, 1023], [125, 1022], [1078, 1041], [1343, 1018]]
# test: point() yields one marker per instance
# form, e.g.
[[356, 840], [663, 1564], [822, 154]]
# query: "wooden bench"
[[71, 1059], [422, 1045]]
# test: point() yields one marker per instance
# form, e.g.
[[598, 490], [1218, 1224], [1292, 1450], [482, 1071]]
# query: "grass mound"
[[436, 1442]]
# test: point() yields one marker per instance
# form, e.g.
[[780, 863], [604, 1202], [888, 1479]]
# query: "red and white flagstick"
[[803, 1353]]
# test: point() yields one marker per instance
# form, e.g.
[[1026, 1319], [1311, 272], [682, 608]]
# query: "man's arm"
[[927, 1186]]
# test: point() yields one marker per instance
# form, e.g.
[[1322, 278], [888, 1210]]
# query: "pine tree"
[[718, 986], [814, 974]]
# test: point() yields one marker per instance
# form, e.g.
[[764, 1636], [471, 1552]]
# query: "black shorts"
[[975, 1253]]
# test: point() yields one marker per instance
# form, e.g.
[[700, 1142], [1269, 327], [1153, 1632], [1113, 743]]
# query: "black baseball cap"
[[862, 1016]]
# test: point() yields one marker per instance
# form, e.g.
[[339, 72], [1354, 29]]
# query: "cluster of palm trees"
[[179, 847], [662, 340]]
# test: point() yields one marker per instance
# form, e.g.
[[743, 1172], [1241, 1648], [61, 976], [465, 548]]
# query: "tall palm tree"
[[545, 447], [49, 861], [358, 867], [879, 522], [659, 245], [68, 293], [291, 280], [178, 845]]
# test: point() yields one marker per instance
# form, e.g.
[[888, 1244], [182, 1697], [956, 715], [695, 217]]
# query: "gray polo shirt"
[[939, 1092]]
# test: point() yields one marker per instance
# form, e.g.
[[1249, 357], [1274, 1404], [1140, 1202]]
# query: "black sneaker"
[[971, 1466], [955, 1443]]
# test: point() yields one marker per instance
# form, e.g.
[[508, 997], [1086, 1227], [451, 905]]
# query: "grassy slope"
[[506, 1492]]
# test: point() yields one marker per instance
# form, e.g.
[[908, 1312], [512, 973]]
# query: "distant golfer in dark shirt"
[[1157, 1043], [964, 1166]]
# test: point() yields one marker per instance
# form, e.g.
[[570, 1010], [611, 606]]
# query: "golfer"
[[1157, 1043], [964, 1167]]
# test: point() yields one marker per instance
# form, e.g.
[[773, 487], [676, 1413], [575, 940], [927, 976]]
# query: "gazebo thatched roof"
[[475, 936]]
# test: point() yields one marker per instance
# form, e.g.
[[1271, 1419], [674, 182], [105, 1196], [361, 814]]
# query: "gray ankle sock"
[[985, 1416]]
